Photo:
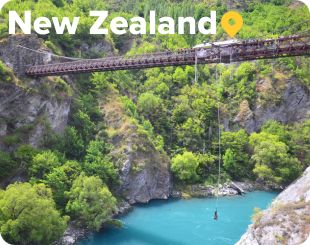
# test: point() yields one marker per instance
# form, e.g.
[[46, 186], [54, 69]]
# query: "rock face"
[[72, 234], [144, 170], [22, 110], [287, 221], [97, 49], [286, 101], [17, 52], [28, 105]]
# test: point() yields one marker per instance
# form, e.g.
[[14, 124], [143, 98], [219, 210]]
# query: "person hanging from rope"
[[215, 215], [219, 149]]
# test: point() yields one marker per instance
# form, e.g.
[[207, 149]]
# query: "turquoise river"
[[185, 222]]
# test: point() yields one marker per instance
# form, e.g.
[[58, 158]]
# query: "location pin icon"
[[232, 29]]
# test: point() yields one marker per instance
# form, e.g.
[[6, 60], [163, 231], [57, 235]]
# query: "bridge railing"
[[242, 50]]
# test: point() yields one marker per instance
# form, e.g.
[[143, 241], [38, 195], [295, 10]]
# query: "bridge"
[[237, 51]]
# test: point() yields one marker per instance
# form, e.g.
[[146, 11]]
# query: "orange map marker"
[[232, 29]]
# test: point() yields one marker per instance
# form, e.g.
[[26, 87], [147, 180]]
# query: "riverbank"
[[231, 188], [75, 233]]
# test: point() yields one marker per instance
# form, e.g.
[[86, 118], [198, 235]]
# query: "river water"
[[185, 222]]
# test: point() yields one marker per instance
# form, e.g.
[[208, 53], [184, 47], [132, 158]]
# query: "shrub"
[[28, 215], [184, 166], [91, 202]]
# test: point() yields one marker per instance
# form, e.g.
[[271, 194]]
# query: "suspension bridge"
[[236, 51]]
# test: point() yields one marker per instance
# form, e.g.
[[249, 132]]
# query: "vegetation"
[[272, 160], [74, 174], [28, 215], [236, 159], [185, 166], [90, 201], [5, 73]]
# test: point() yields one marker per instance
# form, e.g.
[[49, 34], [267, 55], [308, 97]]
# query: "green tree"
[[236, 159], [85, 126], [61, 179], [73, 144], [208, 165], [149, 104], [276, 128], [184, 166], [90, 202], [180, 76], [300, 142], [272, 161], [98, 163], [28, 215], [43, 163], [24, 155], [7, 164]]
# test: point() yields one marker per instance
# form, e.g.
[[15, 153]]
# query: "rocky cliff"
[[287, 221], [144, 170], [29, 106], [284, 99]]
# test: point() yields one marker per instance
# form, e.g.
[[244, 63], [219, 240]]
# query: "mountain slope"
[[287, 221]]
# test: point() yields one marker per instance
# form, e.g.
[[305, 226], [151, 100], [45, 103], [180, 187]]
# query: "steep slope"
[[287, 221], [144, 170], [285, 100], [29, 106]]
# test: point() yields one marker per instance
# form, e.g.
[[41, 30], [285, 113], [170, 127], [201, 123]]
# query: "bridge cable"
[[48, 53], [219, 142]]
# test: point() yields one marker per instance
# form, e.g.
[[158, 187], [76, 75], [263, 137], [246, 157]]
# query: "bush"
[[61, 179], [149, 103], [90, 202], [73, 145], [24, 155], [7, 164], [28, 215], [273, 163], [236, 159], [43, 163], [184, 167], [5, 73], [98, 163]]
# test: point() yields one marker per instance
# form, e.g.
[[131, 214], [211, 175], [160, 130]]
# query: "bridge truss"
[[298, 45]]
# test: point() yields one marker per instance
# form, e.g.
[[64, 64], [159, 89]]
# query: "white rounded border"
[[2, 242], [307, 2], [2, 3]]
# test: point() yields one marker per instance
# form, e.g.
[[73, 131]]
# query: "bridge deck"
[[241, 51]]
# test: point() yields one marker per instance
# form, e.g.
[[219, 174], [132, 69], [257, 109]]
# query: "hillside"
[[81, 147], [286, 221]]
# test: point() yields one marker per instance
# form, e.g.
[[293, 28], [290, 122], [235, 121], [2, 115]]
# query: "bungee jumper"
[[215, 215], [219, 152]]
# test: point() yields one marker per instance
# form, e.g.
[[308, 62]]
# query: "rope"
[[219, 143], [196, 69]]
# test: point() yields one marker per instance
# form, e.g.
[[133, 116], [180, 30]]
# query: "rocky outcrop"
[[144, 170], [28, 106], [19, 51], [96, 49], [286, 221], [285, 100], [72, 235], [226, 189]]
